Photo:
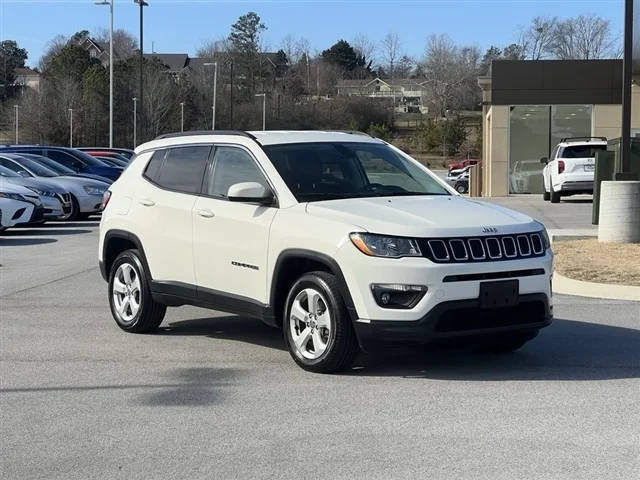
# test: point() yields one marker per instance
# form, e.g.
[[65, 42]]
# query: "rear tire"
[[316, 325], [132, 305], [546, 196], [555, 196]]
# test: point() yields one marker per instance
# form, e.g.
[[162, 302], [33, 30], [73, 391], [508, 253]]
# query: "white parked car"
[[55, 200], [17, 205], [85, 194], [340, 239], [570, 168]]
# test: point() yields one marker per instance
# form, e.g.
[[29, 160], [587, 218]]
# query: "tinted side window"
[[65, 159], [10, 165], [153, 167], [233, 165], [183, 168]]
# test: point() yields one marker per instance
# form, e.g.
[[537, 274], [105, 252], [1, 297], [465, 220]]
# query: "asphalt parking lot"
[[217, 396]]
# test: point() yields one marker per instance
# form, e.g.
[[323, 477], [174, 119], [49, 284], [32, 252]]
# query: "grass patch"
[[592, 261]]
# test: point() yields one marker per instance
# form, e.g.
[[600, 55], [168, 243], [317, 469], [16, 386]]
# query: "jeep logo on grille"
[[489, 230]]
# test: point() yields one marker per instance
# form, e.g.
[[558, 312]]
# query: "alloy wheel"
[[126, 292], [310, 323]]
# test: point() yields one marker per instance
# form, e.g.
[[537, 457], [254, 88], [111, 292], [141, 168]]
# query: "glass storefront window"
[[534, 131], [528, 142]]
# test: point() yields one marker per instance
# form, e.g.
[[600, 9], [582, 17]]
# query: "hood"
[[68, 181], [424, 216], [37, 183], [10, 187], [97, 178]]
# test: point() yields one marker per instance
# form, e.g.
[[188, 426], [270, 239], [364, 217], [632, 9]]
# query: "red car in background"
[[459, 164]]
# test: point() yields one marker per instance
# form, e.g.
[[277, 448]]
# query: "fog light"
[[395, 295]]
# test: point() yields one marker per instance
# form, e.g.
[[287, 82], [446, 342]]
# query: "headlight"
[[12, 196], [383, 246], [545, 238], [42, 193], [91, 190]]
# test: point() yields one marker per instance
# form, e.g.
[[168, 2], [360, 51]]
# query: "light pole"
[[16, 108], [110, 3], [135, 117], [182, 116], [71, 127], [142, 4], [264, 109], [215, 88]]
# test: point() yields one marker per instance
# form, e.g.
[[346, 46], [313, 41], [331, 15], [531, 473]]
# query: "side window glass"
[[64, 159], [153, 167], [184, 168], [233, 165], [10, 165]]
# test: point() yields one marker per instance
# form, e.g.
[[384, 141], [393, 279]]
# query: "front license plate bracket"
[[499, 294]]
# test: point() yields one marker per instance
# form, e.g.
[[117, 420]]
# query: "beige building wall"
[[497, 184]]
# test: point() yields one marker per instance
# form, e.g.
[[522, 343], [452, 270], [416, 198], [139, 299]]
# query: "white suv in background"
[[338, 238], [571, 166]]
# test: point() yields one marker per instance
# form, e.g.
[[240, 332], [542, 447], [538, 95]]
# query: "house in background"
[[95, 50], [25, 77], [409, 95]]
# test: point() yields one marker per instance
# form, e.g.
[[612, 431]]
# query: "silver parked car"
[[55, 200], [86, 194]]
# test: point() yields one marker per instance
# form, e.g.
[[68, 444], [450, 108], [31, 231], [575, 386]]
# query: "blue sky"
[[181, 26]]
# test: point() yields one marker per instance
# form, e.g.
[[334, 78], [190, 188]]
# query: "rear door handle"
[[205, 212], [147, 202]]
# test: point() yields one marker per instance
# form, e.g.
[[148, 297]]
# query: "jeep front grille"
[[482, 249]]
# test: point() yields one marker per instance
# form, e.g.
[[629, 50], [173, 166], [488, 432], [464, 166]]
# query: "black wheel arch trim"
[[125, 235], [300, 253]]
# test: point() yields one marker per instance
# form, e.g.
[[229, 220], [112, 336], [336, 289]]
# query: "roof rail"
[[240, 133], [351, 132], [588, 139]]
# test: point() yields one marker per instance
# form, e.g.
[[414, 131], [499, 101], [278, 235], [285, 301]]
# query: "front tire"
[[132, 305], [317, 327], [75, 210]]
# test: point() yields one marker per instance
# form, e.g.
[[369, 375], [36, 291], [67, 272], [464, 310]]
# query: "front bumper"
[[53, 208], [89, 203], [460, 319]]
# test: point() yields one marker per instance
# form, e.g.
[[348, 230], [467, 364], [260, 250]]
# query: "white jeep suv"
[[570, 168], [338, 238]]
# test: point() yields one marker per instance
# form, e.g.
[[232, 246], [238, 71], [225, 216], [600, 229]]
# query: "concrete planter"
[[619, 212]]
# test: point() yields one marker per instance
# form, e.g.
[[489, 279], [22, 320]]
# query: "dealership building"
[[529, 106]]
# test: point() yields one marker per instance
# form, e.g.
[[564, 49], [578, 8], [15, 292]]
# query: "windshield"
[[582, 151], [36, 168], [50, 164], [324, 171], [86, 158], [5, 172]]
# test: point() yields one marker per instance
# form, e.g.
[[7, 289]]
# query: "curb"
[[609, 291]]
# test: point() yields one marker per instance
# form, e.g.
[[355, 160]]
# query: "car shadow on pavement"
[[17, 241], [230, 327], [70, 224], [566, 350], [189, 387], [25, 232]]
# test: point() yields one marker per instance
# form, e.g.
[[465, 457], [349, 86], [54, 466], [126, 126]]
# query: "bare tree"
[[125, 45], [537, 39], [390, 51], [364, 47], [584, 37], [54, 46]]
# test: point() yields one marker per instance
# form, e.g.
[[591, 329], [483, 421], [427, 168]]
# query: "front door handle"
[[205, 212], [147, 202]]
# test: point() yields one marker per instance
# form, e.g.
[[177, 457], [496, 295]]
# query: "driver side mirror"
[[544, 160], [250, 192]]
